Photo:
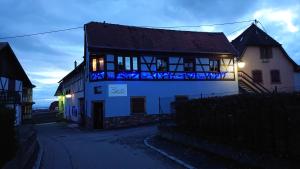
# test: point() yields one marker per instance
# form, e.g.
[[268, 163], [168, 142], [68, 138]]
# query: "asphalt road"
[[66, 147]]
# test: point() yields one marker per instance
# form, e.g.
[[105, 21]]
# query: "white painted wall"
[[253, 62], [152, 90]]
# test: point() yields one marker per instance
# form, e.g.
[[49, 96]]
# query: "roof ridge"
[[152, 28]]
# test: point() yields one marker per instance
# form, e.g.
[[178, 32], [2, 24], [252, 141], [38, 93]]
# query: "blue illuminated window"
[[189, 64], [162, 64], [214, 65]]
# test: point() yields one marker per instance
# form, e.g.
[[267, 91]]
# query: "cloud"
[[283, 17]]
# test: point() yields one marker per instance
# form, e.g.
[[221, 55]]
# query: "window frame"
[[255, 78], [132, 104], [214, 69], [165, 60], [97, 60], [131, 63], [266, 52], [189, 68], [276, 78]]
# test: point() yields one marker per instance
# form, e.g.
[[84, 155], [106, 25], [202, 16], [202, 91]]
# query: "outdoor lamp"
[[241, 64], [68, 95]]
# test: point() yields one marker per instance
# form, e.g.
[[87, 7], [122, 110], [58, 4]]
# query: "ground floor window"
[[275, 76], [137, 104], [257, 76]]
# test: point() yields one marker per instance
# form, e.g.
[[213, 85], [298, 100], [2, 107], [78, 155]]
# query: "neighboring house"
[[53, 108], [15, 86], [71, 94], [268, 68], [128, 69]]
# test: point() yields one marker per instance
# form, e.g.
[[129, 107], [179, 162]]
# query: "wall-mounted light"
[[68, 95], [241, 64]]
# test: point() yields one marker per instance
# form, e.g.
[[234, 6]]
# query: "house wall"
[[297, 81], [252, 59], [71, 105], [117, 108]]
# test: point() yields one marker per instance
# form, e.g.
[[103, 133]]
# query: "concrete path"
[[70, 148]]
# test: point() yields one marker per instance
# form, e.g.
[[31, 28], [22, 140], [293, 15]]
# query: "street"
[[67, 147]]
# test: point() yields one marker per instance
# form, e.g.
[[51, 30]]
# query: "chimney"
[[75, 64]]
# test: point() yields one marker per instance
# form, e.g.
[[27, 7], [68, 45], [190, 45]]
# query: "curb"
[[37, 164], [182, 163]]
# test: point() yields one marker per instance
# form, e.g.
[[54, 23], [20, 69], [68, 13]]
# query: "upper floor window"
[[162, 64], [214, 65], [257, 76], [265, 53], [97, 64], [127, 63], [275, 76], [189, 64]]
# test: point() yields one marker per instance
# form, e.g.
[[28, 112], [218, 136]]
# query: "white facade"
[[156, 93]]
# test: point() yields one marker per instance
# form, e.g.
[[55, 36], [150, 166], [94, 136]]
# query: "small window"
[[121, 66], [134, 63], [97, 64], [127, 63], [257, 76], [137, 104], [162, 64], [275, 76], [214, 65], [189, 64], [265, 53]]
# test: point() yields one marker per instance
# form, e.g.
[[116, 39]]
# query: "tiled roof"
[[113, 36]]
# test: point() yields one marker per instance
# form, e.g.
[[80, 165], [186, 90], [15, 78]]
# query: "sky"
[[48, 58]]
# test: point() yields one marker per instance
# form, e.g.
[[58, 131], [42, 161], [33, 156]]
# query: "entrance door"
[[98, 114]]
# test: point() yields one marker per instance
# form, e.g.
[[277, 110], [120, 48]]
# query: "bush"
[[264, 123], [8, 144]]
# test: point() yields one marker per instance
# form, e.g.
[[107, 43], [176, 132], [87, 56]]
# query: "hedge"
[[263, 123], [8, 143]]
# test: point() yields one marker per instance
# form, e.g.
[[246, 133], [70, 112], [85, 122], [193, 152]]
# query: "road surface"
[[67, 147]]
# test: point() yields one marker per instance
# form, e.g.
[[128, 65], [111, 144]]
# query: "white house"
[[15, 86], [268, 68], [128, 69]]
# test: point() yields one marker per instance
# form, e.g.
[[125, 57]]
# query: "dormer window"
[[97, 64]]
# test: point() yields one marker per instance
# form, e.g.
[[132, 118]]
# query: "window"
[[162, 64], [257, 76], [97, 64], [134, 63], [127, 63], [214, 65], [265, 53], [275, 76], [121, 63], [189, 64], [137, 104]]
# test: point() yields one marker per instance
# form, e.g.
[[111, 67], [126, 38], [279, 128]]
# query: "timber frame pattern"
[[147, 68]]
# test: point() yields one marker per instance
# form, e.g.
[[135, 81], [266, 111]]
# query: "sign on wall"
[[117, 90]]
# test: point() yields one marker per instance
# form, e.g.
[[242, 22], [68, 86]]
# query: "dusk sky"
[[47, 58]]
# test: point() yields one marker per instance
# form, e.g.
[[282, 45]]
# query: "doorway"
[[98, 114]]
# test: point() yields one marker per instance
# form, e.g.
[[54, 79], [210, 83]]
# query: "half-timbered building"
[[15, 86], [128, 69]]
